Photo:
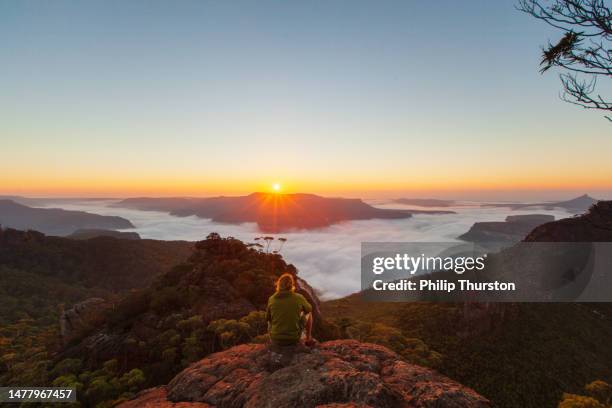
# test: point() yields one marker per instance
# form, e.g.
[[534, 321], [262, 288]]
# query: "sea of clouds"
[[328, 258]]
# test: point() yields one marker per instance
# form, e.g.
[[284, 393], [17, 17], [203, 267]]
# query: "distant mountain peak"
[[583, 197], [582, 202]]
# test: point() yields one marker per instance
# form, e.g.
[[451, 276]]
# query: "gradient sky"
[[360, 98]]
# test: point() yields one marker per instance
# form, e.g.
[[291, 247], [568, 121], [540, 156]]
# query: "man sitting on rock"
[[288, 314]]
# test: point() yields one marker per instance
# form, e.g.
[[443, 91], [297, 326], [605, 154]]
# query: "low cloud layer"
[[329, 259]]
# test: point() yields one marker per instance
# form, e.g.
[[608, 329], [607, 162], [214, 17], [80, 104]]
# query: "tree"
[[600, 390], [584, 52]]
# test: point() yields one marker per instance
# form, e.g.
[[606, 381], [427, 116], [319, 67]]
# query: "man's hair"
[[285, 282]]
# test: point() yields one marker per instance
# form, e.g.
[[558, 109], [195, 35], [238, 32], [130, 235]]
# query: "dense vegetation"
[[523, 355], [598, 395], [212, 301], [102, 262], [41, 275], [27, 295]]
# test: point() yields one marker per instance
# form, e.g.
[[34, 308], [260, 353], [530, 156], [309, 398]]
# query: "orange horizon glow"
[[165, 188], [432, 179]]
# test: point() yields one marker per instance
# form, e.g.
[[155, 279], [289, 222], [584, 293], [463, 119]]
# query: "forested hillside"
[[41, 276], [210, 302]]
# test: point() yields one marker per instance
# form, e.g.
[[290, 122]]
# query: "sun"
[[276, 187]]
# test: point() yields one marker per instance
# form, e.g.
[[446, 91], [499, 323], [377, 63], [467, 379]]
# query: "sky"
[[354, 98]]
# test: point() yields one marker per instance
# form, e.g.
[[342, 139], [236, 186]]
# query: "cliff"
[[341, 373]]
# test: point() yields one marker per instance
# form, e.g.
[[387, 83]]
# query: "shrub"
[[67, 366], [600, 394], [257, 322], [579, 401], [132, 380]]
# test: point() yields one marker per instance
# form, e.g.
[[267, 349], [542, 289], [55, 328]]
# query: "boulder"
[[340, 373], [80, 317]]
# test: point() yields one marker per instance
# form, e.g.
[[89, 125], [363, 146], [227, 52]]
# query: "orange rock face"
[[335, 374]]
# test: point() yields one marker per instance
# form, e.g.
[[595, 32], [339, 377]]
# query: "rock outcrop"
[[80, 317], [341, 373]]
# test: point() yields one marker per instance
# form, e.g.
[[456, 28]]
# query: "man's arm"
[[306, 307]]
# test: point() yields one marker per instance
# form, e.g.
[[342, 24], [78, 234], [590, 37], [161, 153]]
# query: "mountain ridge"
[[577, 204], [110, 263], [272, 212], [55, 221]]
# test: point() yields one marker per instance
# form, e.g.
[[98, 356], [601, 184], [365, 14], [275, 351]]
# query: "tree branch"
[[579, 20]]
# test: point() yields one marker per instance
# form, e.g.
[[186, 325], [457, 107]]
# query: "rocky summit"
[[340, 373]]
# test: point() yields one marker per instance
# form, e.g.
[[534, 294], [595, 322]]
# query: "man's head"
[[285, 282]]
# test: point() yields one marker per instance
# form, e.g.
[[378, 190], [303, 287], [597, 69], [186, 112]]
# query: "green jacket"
[[285, 315]]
